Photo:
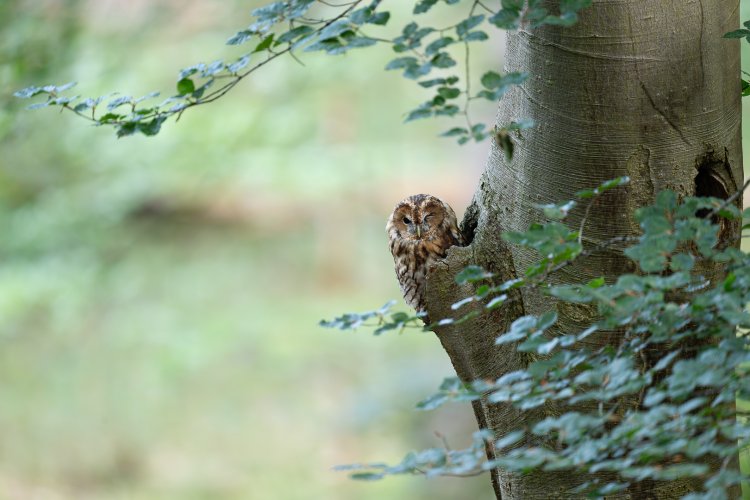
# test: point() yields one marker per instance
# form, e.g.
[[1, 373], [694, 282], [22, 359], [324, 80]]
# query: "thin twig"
[[583, 221], [485, 7], [468, 90], [444, 439], [221, 91], [729, 200]]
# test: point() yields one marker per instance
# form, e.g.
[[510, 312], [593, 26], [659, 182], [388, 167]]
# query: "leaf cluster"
[[742, 33], [287, 27], [278, 29], [382, 319], [654, 397]]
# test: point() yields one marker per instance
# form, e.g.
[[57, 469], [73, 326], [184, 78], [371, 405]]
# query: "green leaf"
[[434, 47], [402, 62], [191, 70], [741, 33], [185, 86], [265, 44], [546, 320], [499, 84], [330, 46], [239, 64], [335, 29], [443, 60], [509, 439], [116, 103], [152, 127], [491, 80], [423, 6], [570, 293], [431, 83], [496, 301], [28, 92], [605, 186], [519, 330], [455, 132], [522, 124], [506, 19], [449, 92], [414, 72], [198, 93], [596, 282], [64, 87], [360, 16], [367, 476], [83, 106], [240, 37], [411, 37], [39, 105], [471, 274], [557, 211], [150, 95], [126, 129], [504, 142], [463, 28], [447, 110], [109, 118], [359, 42], [295, 34], [213, 69], [476, 36], [682, 262], [418, 114], [613, 183], [379, 18]]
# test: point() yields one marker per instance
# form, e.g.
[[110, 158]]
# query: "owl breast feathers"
[[420, 231]]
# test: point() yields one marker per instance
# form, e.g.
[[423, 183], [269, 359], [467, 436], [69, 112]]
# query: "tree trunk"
[[637, 87]]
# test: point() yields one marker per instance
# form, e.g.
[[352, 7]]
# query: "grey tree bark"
[[642, 88]]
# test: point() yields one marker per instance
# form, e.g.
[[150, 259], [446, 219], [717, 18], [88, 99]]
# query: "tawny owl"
[[420, 231]]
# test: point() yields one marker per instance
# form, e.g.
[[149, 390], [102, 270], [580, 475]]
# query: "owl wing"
[[455, 234]]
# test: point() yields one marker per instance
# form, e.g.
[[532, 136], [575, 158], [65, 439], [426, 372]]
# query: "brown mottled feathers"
[[420, 231]]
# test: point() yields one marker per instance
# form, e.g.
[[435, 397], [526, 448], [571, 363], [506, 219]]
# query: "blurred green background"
[[159, 297]]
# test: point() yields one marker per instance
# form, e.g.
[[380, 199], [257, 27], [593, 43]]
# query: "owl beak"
[[419, 232]]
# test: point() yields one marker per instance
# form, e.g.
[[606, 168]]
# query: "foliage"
[[664, 393], [742, 33], [291, 26]]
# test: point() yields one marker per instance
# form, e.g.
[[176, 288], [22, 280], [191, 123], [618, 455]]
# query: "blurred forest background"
[[159, 297]]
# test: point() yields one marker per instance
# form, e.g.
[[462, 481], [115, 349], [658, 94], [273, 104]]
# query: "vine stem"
[[467, 76]]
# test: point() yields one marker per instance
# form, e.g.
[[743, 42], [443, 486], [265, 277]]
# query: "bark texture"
[[639, 88]]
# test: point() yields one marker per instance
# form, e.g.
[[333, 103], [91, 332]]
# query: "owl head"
[[421, 217]]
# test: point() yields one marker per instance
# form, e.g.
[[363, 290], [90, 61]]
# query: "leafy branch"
[[661, 400], [289, 26], [148, 120], [286, 27]]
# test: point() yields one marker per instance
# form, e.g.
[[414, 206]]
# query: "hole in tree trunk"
[[713, 179], [470, 221], [709, 184]]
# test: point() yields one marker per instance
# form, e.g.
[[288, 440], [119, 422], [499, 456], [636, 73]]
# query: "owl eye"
[[407, 220]]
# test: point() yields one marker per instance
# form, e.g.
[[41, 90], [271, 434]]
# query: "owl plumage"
[[420, 231]]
